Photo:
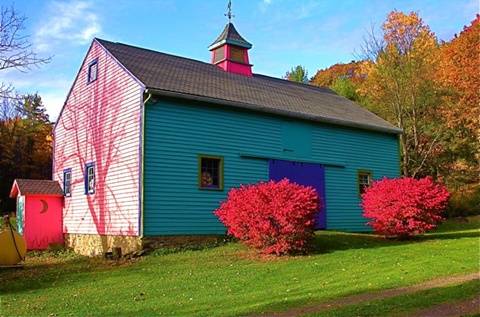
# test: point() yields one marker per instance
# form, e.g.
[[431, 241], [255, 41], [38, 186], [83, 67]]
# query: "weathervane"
[[229, 14]]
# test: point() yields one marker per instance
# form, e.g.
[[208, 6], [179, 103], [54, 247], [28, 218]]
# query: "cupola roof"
[[230, 36]]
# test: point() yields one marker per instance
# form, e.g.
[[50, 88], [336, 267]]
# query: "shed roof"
[[176, 76], [35, 187]]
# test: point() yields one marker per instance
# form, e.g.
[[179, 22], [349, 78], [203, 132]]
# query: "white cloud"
[[53, 102], [72, 21], [52, 89], [264, 4]]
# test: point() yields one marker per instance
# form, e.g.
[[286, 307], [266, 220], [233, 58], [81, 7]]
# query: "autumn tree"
[[459, 76], [344, 79], [400, 83], [298, 74], [25, 140], [327, 77], [25, 144], [430, 90]]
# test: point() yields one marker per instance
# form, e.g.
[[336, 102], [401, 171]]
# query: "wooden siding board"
[[100, 123], [177, 131]]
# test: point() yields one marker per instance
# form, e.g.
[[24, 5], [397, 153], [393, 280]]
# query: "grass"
[[13, 222], [229, 280], [406, 304]]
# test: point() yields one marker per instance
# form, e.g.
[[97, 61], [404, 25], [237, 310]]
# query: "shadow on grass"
[[330, 241], [44, 269], [353, 304], [448, 235], [192, 246]]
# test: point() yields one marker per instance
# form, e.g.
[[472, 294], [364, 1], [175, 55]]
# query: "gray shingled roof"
[[230, 35], [38, 187], [176, 76]]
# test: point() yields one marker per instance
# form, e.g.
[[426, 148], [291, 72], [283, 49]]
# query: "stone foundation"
[[95, 245]]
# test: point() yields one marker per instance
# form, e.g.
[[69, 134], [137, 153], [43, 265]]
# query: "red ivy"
[[404, 207], [275, 217]]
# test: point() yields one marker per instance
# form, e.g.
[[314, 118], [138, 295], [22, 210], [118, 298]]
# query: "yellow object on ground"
[[11, 251]]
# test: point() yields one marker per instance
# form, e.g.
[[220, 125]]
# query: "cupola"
[[230, 50]]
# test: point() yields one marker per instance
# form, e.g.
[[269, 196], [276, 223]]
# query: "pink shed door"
[[43, 221]]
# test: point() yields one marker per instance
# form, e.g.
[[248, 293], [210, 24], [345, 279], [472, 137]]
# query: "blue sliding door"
[[307, 174]]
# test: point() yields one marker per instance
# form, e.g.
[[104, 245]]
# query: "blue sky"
[[284, 33]]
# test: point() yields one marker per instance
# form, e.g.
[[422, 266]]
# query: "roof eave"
[[231, 42], [174, 94], [15, 190]]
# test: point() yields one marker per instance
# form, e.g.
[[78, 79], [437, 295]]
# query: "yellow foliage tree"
[[400, 82]]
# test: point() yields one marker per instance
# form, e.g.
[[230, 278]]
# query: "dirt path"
[[462, 308], [378, 295]]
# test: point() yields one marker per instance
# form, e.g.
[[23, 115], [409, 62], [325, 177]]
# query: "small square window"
[[92, 71], [219, 54], [90, 179], [236, 54], [210, 174], [364, 181], [67, 182]]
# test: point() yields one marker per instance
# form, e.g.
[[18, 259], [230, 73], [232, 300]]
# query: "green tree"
[[298, 74], [346, 88], [25, 144]]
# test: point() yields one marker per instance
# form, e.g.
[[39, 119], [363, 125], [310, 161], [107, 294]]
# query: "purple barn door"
[[307, 174]]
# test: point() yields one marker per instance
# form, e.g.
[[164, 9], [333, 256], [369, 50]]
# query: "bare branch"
[[373, 45], [9, 107], [15, 49], [426, 155]]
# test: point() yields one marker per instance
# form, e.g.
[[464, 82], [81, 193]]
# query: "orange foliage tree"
[[344, 79], [459, 75], [430, 90], [459, 71], [327, 77]]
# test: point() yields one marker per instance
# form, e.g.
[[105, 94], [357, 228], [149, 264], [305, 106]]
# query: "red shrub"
[[276, 217], [404, 207]]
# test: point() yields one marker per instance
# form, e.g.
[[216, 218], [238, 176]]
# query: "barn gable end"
[[100, 126]]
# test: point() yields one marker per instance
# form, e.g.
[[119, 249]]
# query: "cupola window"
[[236, 54], [219, 54]]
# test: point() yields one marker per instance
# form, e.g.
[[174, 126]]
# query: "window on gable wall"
[[210, 172], [67, 182], [364, 181], [90, 178], [92, 71]]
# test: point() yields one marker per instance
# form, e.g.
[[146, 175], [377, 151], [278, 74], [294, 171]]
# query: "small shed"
[[39, 212]]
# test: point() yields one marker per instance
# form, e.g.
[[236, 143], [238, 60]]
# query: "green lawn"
[[229, 280], [405, 304]]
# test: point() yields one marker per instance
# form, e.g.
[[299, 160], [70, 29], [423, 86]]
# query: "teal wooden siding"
[[177, 131]]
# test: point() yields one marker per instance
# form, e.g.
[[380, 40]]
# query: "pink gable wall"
[[101, 123]]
